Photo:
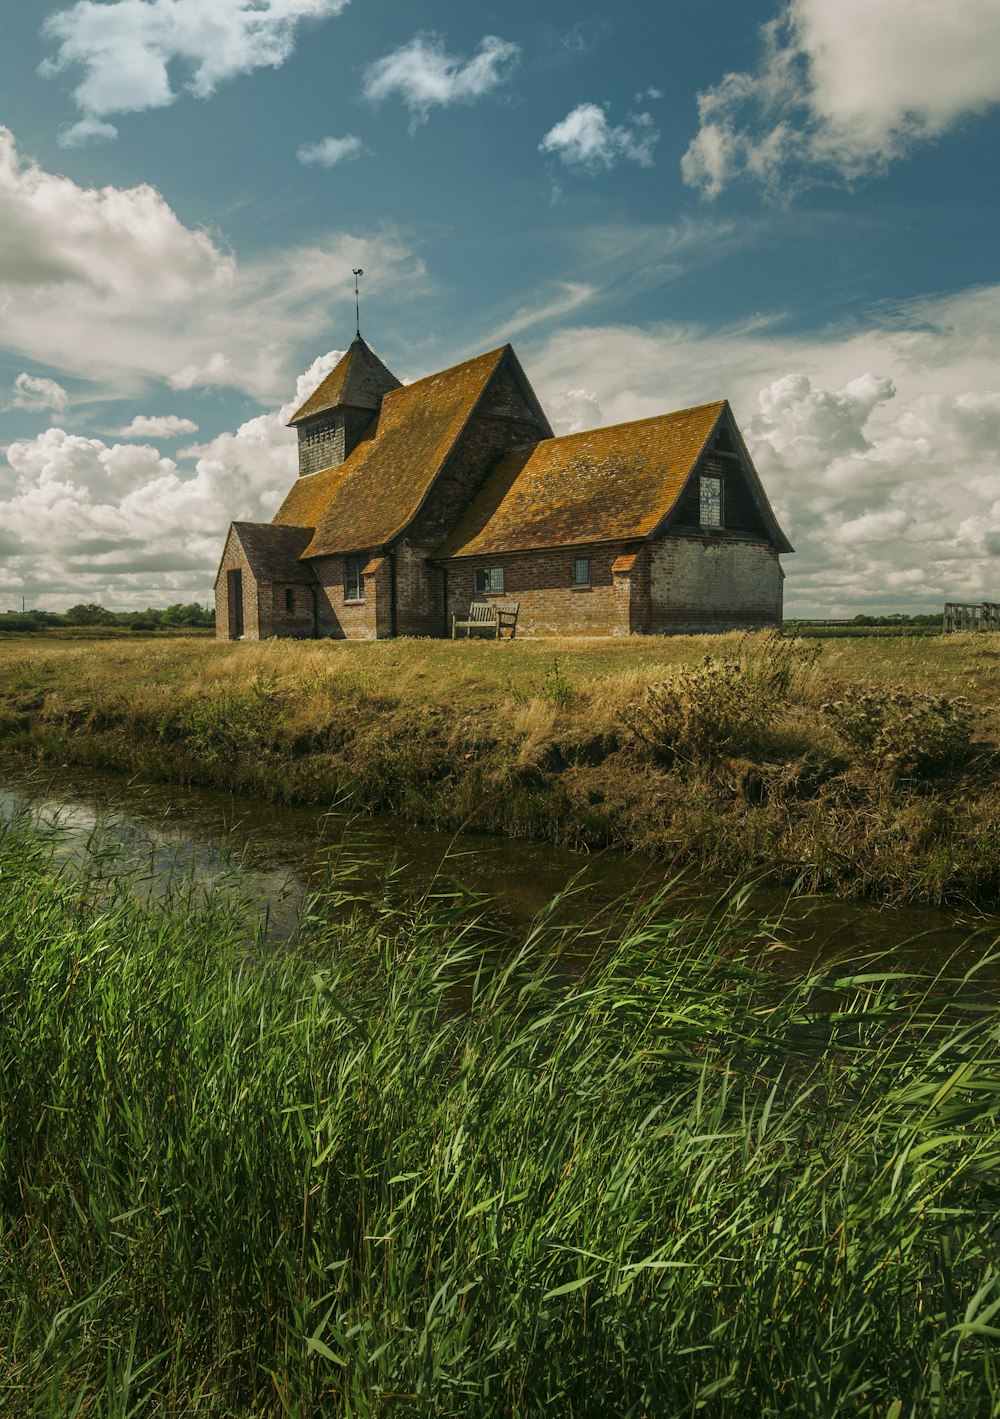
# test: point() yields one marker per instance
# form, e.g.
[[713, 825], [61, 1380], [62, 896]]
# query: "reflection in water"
[[282, 854]]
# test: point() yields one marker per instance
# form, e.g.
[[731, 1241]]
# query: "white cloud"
[[575, 410], [424, 76], [843, 90], [585, 139], [125, 526], [109, 286], [126, 49], [209, 375], [877, 446], [35, 393], [158, 426], [328, 152]]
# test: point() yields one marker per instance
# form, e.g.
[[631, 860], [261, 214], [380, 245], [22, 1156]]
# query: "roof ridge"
[[631, 423]]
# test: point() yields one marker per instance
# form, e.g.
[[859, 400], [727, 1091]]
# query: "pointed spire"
[[358, 380]]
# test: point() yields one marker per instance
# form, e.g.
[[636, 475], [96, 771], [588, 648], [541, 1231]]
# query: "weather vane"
[[357, 307]]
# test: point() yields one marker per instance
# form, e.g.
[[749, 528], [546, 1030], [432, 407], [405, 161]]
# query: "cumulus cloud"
[[109, 286], [328, 152], [158, 426], [124, 525], [424, 76], [36, 393], [585, 139], [877, 446], [844, 90], [129, 50]]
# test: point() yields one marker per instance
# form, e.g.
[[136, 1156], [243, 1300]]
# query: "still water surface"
[[281, 854]]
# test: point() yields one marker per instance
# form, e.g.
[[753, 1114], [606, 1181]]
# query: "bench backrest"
[[482, 611]]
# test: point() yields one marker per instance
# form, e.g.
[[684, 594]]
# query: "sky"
[[791, 204]]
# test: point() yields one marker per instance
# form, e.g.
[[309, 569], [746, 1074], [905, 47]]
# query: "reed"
[[406, 1167]]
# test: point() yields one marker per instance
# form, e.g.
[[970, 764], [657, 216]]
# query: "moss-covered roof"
[[359, 379], [605, 485], [378, 489]]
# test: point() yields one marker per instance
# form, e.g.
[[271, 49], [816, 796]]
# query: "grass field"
[[715, 751], [387, 1172]]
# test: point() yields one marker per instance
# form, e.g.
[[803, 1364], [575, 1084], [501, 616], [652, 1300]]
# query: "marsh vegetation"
[[864, 767], [403, 1166]]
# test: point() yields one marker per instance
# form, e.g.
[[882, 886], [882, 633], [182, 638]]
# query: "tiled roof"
[[611, 484], [359, 379], [273, 552], [378, 489]]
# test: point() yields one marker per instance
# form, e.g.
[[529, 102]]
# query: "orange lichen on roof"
[[605, 485], [625, 563], [379, 488], [358, 379]]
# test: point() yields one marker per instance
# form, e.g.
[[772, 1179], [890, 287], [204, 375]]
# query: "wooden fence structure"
[[971, 616]]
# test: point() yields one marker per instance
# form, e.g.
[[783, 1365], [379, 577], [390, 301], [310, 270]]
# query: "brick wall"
[[234, 559], [336, 616], [550, 605], [477, 453], [419, 592], [706, 583], [275, 620]]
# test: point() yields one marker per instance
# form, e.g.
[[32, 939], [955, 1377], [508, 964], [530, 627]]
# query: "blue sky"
[[791, 205]]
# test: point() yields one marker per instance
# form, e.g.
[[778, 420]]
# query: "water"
[[282, 854]]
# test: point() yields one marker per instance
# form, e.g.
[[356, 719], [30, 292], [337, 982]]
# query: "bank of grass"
[[551, 740], [405, 1168]]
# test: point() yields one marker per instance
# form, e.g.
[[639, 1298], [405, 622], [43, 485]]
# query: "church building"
[[415, 501]]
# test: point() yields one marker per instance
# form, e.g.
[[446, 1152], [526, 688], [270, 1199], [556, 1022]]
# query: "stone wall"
[[706, 583]]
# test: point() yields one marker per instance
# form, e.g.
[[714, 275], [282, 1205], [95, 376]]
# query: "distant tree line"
[[154, 618]]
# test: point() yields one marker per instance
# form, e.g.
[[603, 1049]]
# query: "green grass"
[[404, 1167]]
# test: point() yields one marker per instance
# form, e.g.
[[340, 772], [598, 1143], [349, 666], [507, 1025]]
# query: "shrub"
[[724, 705], [905, 732]]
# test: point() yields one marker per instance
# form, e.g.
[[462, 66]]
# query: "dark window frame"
[[354, 581], [289, 600], [488, 581], [581, 571]]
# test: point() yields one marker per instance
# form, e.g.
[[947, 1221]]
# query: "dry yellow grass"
[[537, 739]]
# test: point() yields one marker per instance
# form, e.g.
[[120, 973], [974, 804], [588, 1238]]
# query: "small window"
[[489, 578], [354, 582], [711, 501], [581, 571], [289, 601]]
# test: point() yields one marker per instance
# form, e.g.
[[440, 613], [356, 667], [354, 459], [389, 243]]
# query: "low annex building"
[[413, 501]]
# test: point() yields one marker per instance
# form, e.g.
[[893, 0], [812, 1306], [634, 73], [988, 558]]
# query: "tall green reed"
[[401, 1169]]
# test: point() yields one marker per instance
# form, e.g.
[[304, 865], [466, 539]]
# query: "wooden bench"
[[493, 617]]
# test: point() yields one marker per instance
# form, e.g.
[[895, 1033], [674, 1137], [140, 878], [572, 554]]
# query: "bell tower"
[[332, 421]]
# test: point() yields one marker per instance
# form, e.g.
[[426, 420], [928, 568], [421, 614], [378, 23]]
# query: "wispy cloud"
[[585, 139], [35, 393], [126, 49], [328, 152], [158, 426], [842, 91], [424, 76], [109, 286]]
